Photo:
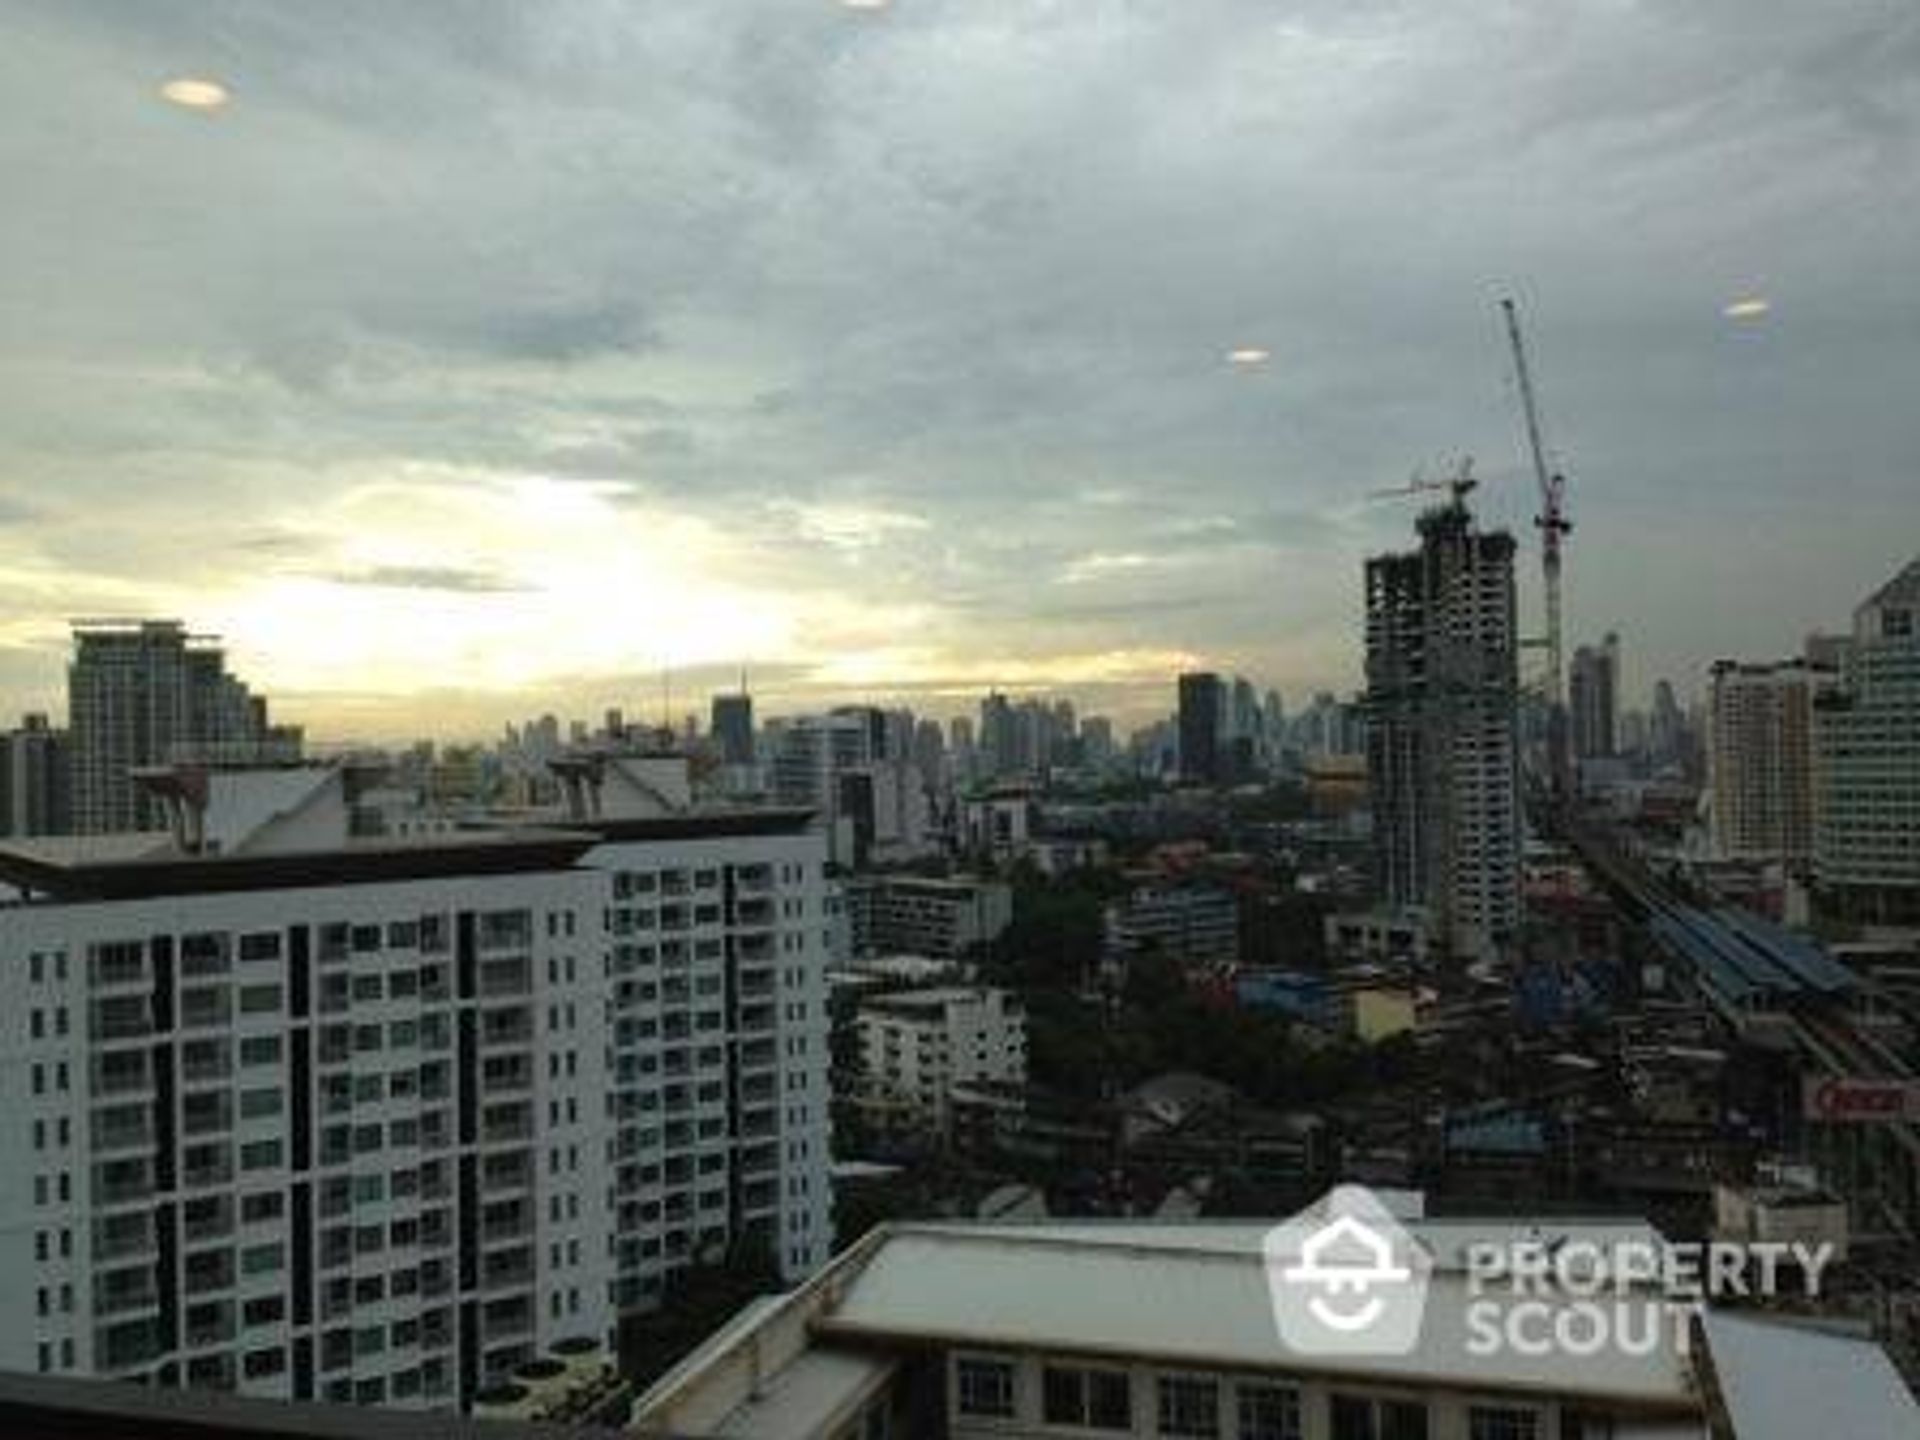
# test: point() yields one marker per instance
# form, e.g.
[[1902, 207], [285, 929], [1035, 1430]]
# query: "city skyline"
[[1051, 351]]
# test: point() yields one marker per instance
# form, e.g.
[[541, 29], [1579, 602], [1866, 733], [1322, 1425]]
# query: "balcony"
[[509, 1026], [122, 1072], [128, 1236], [126, 1345], [506, 1172], [506, 1124], [206, 1007], [121, 1017], [502, 978], [506, 1075], [507, 1270], [122, 1182], [122, 1127], [114, 966], [117, 1292]]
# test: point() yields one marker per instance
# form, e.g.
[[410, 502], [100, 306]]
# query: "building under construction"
[[1442, 756]]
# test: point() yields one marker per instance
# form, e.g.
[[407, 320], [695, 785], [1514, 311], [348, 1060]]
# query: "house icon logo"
[[1346, 1278]]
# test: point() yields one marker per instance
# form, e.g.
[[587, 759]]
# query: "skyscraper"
[[1202, 708], [1666, 727], [1441, 746], [1759, 759], [732, 725], [36, 769], [148, 693], [1867, 763], [1593, 698]]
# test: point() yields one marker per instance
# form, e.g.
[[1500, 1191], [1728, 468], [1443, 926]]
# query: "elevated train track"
[[1777, 989]]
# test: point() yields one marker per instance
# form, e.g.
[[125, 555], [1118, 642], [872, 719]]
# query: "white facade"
[[1060, 1330], [378, 1122], [916, 1046], [1866, 750]]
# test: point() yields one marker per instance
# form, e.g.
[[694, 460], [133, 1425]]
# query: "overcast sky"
[[484, 358]]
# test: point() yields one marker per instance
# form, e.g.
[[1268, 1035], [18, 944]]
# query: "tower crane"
[[1553, 525], [1459, 484]]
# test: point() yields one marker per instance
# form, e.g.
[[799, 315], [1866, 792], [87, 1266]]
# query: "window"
[[1092, 1399], [1268, 1412], [1362, 1417], [1502, 1422], [260, 1050], [1189, 1406], [984, 1387], [264, 945]]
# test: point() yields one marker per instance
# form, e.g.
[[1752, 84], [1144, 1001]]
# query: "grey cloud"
[[972, 261]]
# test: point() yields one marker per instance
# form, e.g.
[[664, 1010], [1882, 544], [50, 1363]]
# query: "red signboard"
[[1836, 1100]]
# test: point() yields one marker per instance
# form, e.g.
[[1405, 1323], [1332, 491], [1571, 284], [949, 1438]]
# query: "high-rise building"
[[1866, 742], [36, 768], [1667, 739], [874, 803], [147, 693], [1760, 759], [732, 726], [308, 1115], [1593, 689], [1442, 758], [1202, 711]]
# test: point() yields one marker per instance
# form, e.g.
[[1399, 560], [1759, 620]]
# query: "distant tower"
[[1202, 708], [1442, 750], [148, 693], [731, 722]]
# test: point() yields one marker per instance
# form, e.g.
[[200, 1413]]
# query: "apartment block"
[[1866, 761], [148, 693], [1193, 925], [1760, 759], [919, 915], [918, 1047], [378, 1120]]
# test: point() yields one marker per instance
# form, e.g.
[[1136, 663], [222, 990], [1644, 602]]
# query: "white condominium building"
[[1866, 743], [374, 1120]]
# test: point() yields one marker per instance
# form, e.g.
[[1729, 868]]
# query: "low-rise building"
[[1197, 926], [920, 1047], [922, 915], [1031, 1331]]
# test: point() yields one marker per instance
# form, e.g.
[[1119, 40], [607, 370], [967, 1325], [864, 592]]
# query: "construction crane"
[[1553, 525], [1459, 484]]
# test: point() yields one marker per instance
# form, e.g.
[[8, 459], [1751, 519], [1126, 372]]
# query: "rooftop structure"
[[1052, 1328]]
